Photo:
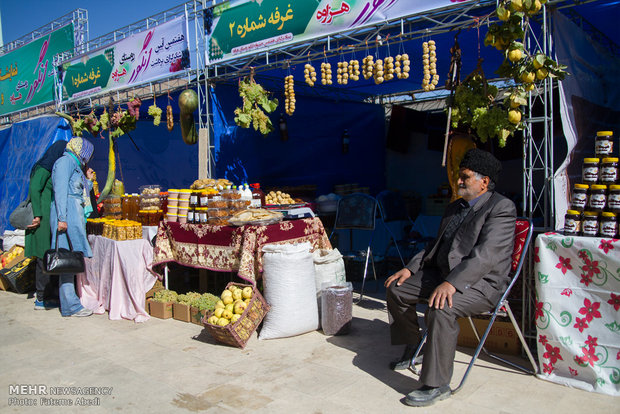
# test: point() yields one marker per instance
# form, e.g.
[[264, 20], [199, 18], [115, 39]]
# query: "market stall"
[[228, 248], [578, 300]]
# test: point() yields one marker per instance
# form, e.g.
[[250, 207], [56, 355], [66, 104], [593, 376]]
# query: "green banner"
[[250, 22], [27, 73]]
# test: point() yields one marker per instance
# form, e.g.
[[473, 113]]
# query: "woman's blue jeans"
[[69, 301]]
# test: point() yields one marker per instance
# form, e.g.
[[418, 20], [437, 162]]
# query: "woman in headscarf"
[[68, 214], [38, 234]]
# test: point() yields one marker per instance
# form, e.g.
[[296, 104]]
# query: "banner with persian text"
[[143, 57], [27, 73], [242, 27]]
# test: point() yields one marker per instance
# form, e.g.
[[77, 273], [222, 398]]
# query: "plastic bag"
[[328, 267], [336, 308]]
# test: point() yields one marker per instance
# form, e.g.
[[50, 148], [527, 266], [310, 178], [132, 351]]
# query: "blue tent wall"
[[21, 145], [313, 152]]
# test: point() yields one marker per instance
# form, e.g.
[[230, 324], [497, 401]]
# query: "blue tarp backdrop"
[[21, 145]]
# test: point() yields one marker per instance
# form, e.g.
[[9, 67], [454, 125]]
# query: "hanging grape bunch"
[[342, 73], [402, 66], [289, 95], [309, 74], [155, 112], [354, 70], [368, 67], [378, 71], [326, 73], [389, 68]]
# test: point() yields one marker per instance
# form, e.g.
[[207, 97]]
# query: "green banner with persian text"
[[27, 73]]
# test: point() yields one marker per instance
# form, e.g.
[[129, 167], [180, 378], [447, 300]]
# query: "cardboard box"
[[4, 284], [196, 315], [17, 252], [181, 312], [160, 310], [157, 286], [503, 337]]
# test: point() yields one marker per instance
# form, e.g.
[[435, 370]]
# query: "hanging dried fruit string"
[[354, 66], [402, 62], [342, 71], [326, 70], [388, 61], [169, 116], [377, 71], [309, 72], [289, 91], [367, 64]]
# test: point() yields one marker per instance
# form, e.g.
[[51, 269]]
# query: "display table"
[[117, 278], [227, 248], [578, 311]]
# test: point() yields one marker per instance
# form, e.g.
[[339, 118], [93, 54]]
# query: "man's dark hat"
[[483, 163]]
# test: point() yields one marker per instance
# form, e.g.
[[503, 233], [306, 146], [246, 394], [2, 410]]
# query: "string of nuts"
[[429, 61], [402, 66], [342, 73], [368, 66], [289, 95], [326, 73], [354, 69], [309, 74]]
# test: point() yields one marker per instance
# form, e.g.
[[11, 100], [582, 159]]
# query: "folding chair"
[[357, 212], [523, 237]]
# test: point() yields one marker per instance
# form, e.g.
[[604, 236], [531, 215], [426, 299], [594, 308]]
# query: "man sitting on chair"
[[463, 272]]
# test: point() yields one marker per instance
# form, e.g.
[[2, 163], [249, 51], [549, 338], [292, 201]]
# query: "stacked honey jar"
[[114, 229], [595, 201]]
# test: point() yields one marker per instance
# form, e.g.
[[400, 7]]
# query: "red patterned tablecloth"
[[226, 248]]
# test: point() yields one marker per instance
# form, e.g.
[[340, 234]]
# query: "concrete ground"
[[166, 366]]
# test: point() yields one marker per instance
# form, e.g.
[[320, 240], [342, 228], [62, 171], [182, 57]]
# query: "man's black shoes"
[[405, 360], [426, 396]]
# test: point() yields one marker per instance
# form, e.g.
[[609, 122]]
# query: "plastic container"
[[172, 210], [151, 189], [217, 203], [258, 196], [182, 218], [218, 212], [218, 221], [171, 216], [173, 202], [184, 194], [336, 308], [173, 193], [183, 203]]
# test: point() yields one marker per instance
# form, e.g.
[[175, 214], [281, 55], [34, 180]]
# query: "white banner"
[[142, 57]]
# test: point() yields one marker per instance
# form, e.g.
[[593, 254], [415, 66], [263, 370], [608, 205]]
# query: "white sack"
[[289, 287]]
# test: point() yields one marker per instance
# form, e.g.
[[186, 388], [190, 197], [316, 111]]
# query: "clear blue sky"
[[20, 17]]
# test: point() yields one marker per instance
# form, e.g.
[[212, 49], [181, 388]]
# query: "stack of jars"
[[595, 202]]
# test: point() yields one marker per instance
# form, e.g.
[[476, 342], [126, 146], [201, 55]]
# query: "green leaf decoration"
[[614, 327], [543, 278], [600, 382], [552, 246], [566, 340]]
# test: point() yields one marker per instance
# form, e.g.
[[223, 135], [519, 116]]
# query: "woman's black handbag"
[[57, 261]]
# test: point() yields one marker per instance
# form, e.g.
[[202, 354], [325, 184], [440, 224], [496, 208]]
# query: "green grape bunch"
[[155, 112]]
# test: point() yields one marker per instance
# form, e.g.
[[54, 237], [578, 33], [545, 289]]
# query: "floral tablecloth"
[[227, 248], [578, 311]]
